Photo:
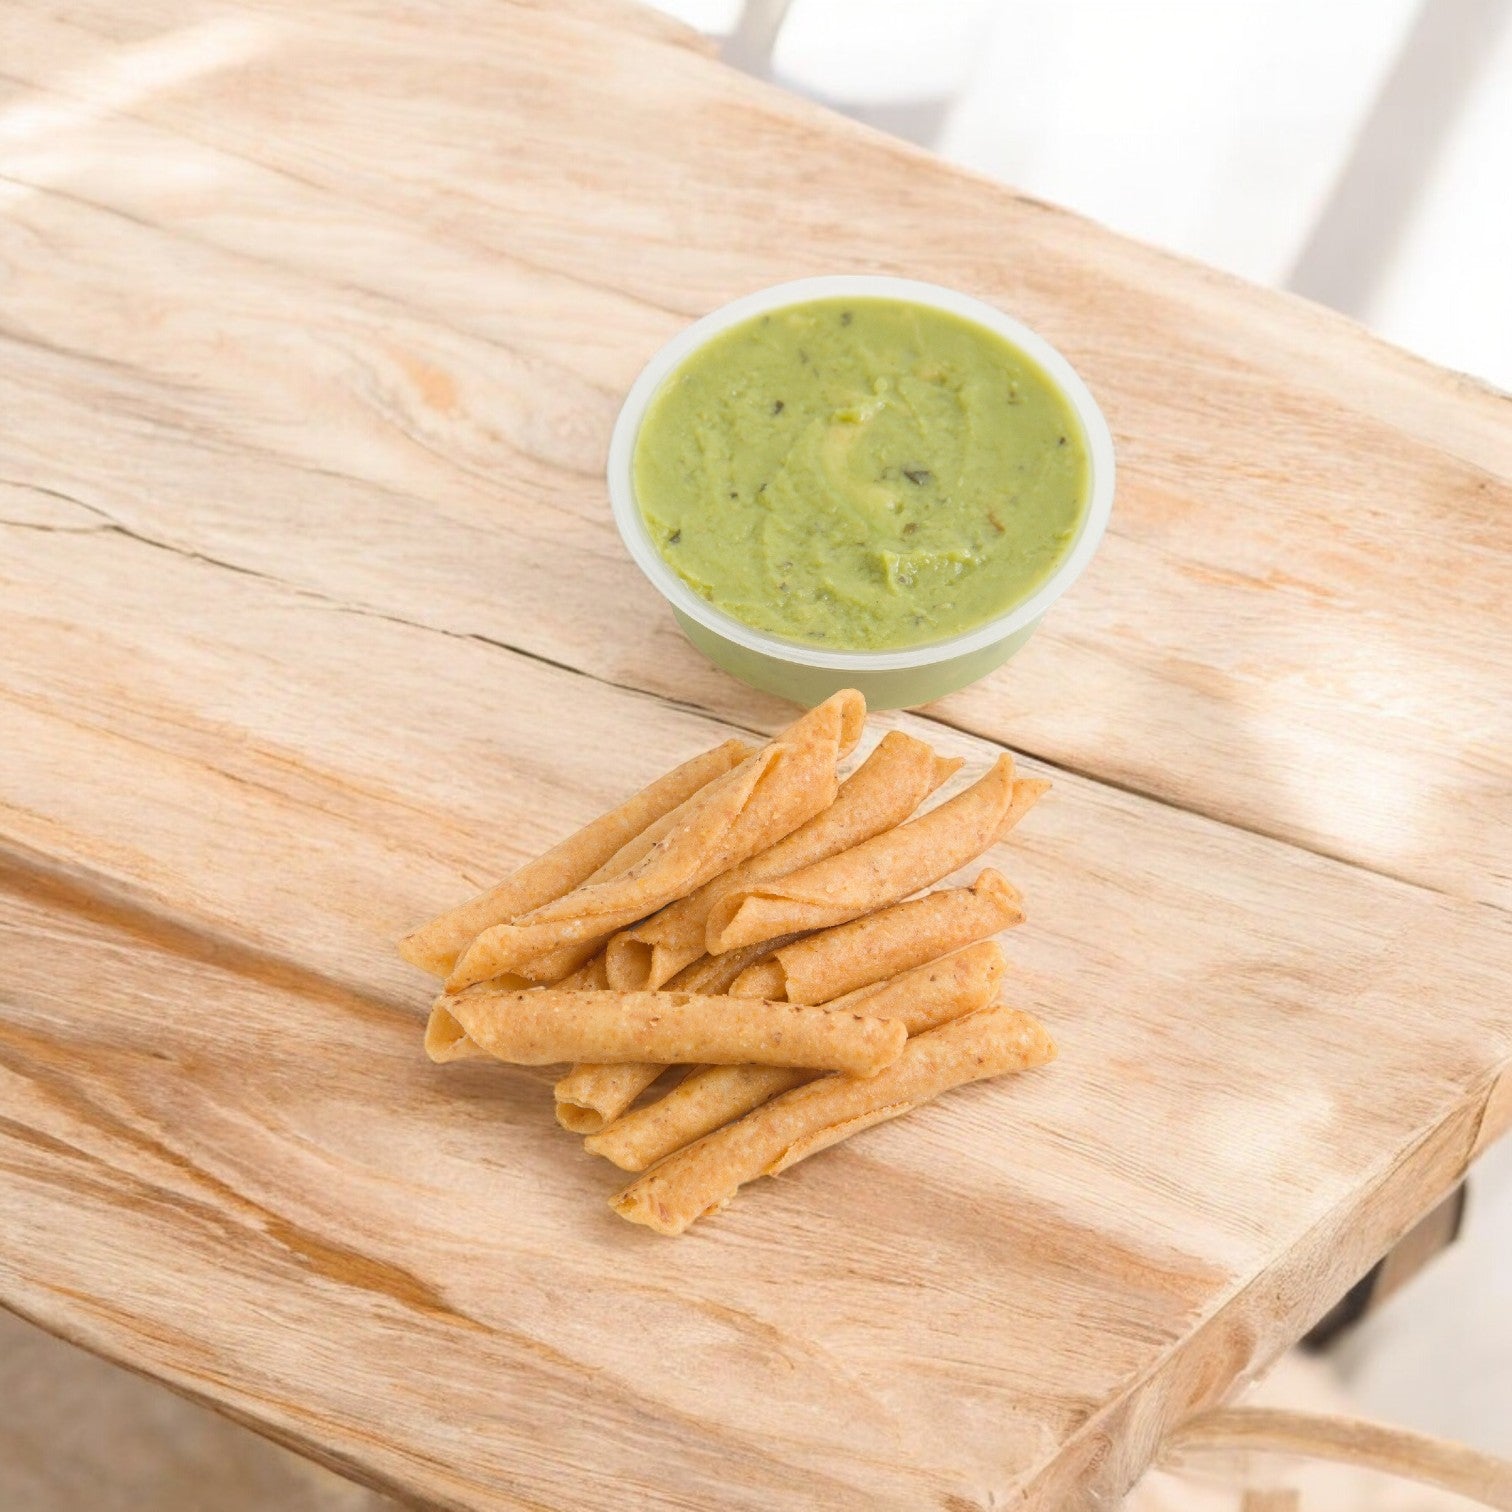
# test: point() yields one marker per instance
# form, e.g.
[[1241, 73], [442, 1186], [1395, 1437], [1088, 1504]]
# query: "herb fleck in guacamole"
[[861, 474]]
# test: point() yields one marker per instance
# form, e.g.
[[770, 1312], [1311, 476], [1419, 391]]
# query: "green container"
[[887, 679], [892, 688]]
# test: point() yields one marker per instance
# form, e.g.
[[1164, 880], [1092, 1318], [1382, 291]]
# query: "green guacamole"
[[861, 474]]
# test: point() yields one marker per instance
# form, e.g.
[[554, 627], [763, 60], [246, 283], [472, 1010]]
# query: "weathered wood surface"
[[312, 616], [428, 258]]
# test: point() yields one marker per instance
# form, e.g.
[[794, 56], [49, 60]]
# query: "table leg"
[[1434, 1232]]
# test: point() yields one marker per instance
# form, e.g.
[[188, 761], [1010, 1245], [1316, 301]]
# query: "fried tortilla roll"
[[712, 1096], [881, 793], [556, 964], [702, 1178], [446, 1039], [541, 946], [819, 967], [748, 809], [712, 975], [545, 1026], [564, 958], [879, 871], [434, 947], [590, 1096], [935, 993]]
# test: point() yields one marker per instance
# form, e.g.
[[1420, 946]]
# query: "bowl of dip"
[[860, 481]]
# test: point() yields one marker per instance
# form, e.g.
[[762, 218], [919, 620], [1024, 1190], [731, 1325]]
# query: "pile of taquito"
[[762, 924]]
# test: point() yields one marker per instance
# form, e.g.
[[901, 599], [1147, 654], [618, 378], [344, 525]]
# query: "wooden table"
[[313, 323]]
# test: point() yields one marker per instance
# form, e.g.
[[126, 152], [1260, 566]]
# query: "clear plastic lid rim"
[[1096, 439]]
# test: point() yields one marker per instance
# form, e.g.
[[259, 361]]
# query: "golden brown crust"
[[823, 966], [711, 1096], [707, 1098], [789, 973], [446, 1040], [591, 1095], [704, 1176], [882, 792], [435, 946], [547, 1026], [748, 809], [880, 871]]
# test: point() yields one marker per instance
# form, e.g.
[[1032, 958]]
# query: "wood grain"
[[312, 622], [458, 262], [1257, 1093]]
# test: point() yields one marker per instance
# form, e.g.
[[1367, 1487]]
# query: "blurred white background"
[[1356, 151]]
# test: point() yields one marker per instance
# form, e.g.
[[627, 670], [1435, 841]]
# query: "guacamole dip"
[[861, 474]]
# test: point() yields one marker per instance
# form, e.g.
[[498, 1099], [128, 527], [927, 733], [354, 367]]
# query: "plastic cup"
[[888, 679]]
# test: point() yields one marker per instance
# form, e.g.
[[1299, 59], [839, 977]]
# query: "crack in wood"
[[111, 525]]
